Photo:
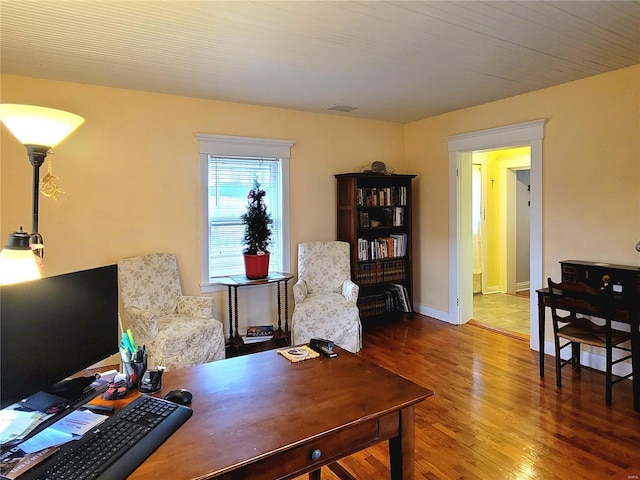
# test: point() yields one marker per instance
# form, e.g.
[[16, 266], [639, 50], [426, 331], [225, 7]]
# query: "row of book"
[[394, 298], [395, 245], [258, 333], [389, 217], [383, 196], [376, 272]]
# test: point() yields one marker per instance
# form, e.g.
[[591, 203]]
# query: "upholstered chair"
[[178, 331], [325, 297]]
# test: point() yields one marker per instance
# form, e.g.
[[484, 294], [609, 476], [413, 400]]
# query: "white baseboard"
[[592, 359], [433, 313]]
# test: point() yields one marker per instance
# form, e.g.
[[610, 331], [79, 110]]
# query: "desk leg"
[[402, 447], [541, 330], [286, 306], [237, 339], [230, 318], [279, 310]]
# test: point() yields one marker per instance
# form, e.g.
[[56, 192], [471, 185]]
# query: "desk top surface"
[[249, 407], [601, 265]]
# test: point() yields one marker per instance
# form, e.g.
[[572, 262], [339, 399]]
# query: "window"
[[229, 166]]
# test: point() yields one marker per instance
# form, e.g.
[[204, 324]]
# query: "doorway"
[[460, 179], [500, 239]]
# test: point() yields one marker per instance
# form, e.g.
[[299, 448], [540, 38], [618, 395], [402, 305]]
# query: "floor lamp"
[[39, 129]]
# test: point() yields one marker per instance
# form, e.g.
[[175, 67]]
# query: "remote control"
[[99, 408]]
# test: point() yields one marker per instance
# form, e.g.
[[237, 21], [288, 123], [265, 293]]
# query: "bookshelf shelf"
[[374, 216]]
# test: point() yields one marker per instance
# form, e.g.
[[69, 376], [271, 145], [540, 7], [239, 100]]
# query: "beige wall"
[[131, 172], [591, 174]]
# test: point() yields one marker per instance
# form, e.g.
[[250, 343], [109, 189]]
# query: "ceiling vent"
[[342, 108]]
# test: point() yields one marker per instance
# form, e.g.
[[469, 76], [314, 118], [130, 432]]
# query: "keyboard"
[[115, 448]]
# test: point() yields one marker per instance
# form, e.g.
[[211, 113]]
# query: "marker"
[[132, 341]]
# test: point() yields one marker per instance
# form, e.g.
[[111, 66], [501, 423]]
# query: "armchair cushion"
[[187, 340], [195, 306]]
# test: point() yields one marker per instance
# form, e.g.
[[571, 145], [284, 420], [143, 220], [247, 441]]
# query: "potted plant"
[[257, 234]]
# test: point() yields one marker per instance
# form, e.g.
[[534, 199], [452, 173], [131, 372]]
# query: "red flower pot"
[[256, 266]]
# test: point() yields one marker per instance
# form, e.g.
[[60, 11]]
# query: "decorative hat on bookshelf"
[[377, 167]]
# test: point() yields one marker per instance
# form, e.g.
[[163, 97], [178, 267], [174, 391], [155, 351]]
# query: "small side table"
[[234, 282]]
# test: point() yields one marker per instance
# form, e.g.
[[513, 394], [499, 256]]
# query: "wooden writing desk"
[[625, 280], [261, 417]]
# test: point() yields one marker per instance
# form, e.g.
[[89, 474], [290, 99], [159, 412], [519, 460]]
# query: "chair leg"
[[558, 363], [609, 374], [575, 353]]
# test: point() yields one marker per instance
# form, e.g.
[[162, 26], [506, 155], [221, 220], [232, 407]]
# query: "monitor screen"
[[55, 327]]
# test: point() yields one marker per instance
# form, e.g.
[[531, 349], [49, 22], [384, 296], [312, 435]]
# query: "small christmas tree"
[[257, 222]]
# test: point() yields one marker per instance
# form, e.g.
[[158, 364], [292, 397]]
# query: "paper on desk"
[[17, 423], [45, 439], [72, 426], [79, 422]]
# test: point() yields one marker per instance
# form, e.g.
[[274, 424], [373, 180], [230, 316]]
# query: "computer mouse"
[[182, 396]]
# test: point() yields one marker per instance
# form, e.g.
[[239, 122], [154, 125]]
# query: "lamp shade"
[[33, 125], [17, 261]]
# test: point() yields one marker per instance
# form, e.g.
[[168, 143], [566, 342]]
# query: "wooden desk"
[[236, 281], [260, 417], [625, 280]]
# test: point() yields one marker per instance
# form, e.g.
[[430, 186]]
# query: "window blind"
[[230, 180]]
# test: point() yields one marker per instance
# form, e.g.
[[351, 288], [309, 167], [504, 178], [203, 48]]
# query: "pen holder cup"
[[134, 372]]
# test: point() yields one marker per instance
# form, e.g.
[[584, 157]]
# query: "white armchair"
[[325, 297], [177, 330]]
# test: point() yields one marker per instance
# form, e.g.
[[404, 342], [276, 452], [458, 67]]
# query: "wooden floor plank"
[[492, 417]]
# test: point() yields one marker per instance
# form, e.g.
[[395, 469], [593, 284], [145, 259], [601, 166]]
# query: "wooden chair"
[[580, 303]]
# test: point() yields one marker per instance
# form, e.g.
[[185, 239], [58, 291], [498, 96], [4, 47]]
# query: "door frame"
[[460, 258], [508, 179]]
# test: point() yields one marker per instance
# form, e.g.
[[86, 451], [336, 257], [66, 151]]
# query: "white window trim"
[[225, 145]]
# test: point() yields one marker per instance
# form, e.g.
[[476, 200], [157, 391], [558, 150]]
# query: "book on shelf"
[[260, 331], [381, 196], [263, 338], [394, 298], [395, 245], [397, 298]]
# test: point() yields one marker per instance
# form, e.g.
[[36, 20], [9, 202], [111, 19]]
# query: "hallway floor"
[[503, 312]]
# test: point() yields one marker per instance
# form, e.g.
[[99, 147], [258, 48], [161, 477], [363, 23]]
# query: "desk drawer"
[[330, 447]]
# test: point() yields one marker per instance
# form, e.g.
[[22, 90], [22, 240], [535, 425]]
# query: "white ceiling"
[[397, 60]]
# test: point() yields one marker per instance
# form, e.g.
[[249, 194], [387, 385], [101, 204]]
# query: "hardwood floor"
[[492, 417]]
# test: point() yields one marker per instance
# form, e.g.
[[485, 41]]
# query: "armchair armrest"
[[142, 322], [195, 306], [300, 291], [350, 291]]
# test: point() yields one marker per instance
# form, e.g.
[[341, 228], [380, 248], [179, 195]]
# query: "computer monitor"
[[55, 327]]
